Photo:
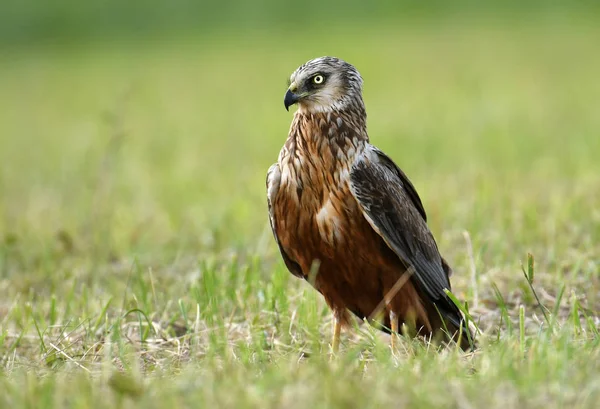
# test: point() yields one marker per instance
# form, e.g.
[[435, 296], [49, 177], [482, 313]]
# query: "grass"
[[137, 268]]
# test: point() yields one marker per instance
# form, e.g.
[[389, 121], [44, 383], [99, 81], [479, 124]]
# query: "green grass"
[[137, 268]]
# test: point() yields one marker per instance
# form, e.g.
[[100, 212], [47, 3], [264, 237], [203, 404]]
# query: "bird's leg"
[[394, 328], [337, 327]]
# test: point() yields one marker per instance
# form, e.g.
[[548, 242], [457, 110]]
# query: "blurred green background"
[[146, 127], [134, 141], [34, 21]]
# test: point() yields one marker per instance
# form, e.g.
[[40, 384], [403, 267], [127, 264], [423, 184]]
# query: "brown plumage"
[[347, 219]]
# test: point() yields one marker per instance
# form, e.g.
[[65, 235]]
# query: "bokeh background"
[[157, 120]]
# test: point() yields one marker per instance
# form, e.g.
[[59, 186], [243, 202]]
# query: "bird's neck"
[[337, 132]]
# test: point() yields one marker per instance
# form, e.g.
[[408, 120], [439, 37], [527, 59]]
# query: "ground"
[[137, 268]]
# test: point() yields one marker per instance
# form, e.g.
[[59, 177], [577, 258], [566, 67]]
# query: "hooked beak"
[[290, 99]]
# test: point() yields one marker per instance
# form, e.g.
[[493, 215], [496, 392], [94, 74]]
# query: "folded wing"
[[394, 210], [273, 181]]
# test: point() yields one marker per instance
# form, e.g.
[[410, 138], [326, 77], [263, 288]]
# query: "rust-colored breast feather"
[[320, 227]]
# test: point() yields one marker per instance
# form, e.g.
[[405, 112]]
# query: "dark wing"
[[393, 208], [273, 180], [410, 190], [412, 194]]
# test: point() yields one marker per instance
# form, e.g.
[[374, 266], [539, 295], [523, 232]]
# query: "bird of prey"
[[348, 220]]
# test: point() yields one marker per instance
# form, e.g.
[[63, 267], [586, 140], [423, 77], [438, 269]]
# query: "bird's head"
[[324, 84]]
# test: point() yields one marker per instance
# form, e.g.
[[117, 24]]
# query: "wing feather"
[[392, 207], [273, 181]]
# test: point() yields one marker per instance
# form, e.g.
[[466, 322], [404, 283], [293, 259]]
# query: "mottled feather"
[[273, 180]]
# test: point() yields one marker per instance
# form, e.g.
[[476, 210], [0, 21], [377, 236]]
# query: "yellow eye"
[[318, 79]]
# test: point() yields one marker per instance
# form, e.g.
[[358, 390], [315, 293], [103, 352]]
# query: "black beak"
[[290, 99]]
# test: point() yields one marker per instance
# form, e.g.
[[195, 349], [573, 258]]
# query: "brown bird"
[[348, 220]]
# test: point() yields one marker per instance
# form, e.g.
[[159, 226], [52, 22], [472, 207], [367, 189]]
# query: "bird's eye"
[[318, 79]]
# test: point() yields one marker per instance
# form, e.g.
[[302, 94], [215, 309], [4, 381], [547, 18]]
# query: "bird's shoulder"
[[273, 181], [374, 167]]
